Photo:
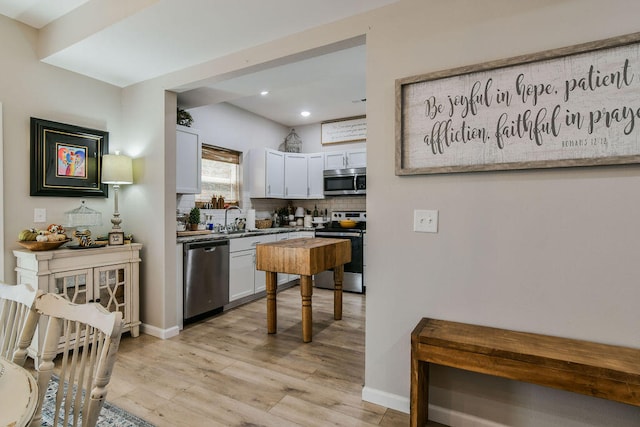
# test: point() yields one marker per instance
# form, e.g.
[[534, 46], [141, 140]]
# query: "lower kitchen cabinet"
[[107, 275], [244, 279]]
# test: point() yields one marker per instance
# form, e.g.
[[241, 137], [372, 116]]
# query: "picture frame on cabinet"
[[351, 129], [116, 238], [66, 160]]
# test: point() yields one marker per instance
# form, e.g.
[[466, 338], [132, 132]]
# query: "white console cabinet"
[[108, 275]]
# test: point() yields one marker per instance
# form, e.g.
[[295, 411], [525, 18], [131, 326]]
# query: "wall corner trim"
[[163, 334]]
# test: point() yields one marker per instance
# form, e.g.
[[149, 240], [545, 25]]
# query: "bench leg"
[[419, 402]]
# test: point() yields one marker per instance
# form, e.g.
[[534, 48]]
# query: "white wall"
[[1, 197], [29, 88], [548, 251], [225, 125]]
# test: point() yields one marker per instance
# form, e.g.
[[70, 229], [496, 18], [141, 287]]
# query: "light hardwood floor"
[[227, 371]]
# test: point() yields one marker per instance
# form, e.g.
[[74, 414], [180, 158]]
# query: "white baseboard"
[[388, 400], [436, 413], [159, 333]]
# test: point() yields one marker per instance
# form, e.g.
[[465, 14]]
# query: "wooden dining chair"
[[88, 337], [18, 320]]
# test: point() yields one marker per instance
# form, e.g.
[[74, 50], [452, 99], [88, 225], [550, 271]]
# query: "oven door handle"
[[337, 234]]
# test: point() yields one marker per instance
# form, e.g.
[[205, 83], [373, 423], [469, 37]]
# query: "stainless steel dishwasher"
[[206, 277]]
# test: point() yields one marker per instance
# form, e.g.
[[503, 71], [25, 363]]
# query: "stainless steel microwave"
[[345, 182]]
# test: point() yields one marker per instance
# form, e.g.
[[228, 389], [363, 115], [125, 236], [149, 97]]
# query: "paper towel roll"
[[307, 221], [251, 219]]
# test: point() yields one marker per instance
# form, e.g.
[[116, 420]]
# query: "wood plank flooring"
[[227, 371]]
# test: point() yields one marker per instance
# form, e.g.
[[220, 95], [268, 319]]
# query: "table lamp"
[[81, 218], [116, 170]]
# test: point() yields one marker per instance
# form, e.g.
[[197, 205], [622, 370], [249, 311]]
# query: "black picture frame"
[[66, 160], [116, 238]]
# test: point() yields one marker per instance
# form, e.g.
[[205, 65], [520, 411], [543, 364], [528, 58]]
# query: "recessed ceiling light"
[[264, 93], [305, 114]]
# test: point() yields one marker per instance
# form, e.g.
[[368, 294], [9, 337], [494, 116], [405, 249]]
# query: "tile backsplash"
[[265, 207]]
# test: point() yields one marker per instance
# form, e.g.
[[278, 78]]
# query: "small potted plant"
[[194, 218]]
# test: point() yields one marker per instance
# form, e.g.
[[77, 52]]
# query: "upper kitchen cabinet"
[[279, 175], [345, 159], [315, 167], [267, 173], [188, 160], [295, 176]]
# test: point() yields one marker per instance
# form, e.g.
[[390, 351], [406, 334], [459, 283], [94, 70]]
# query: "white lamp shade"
[[117, 169]]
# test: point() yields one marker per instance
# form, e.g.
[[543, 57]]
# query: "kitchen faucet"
[[226, 211]]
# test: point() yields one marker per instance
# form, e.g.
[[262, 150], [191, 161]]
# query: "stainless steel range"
[[353, 271]]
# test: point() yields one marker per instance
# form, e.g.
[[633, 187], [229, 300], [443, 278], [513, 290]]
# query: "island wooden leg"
[[338, 275], [306, 290], [272, 317]]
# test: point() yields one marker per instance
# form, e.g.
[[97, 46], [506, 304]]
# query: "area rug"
[[110, 415]]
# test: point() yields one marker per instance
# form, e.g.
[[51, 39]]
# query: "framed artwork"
[[66, 160], [351, 129], [116, 238], [573, 106]]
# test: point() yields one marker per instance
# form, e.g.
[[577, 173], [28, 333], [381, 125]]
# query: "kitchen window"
[[220, 171]]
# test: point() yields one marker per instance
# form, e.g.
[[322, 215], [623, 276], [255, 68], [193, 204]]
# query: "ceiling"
[[129, 43]]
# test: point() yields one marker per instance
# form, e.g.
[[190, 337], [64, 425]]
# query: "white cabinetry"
[[345, 159], [188, 160], [244, 279], [279, 175], [267, 173], [315, 181], [106, 275], [295, 176]]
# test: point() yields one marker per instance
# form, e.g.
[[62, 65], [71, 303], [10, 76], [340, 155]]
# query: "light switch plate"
[[40, 215], [425, 221]]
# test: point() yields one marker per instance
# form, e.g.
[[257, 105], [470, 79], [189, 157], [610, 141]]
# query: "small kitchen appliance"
[[345, 182]]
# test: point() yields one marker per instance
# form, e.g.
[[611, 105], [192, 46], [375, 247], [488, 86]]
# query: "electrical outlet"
[[40, 215], [425, 221]]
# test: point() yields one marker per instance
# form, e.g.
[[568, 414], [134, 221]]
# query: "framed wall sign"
[[344, 130], [66, 160], [574, 106]]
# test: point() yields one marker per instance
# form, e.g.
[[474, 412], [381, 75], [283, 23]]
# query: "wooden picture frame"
[[351, 129], [573, 106], [66, 160]]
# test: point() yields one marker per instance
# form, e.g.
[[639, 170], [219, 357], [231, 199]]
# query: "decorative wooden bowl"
[[42, 246]]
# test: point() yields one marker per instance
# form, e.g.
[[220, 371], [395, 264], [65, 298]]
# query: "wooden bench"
[[600, 370]]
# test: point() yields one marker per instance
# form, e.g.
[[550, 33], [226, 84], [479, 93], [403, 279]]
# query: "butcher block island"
[[306, 257]]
